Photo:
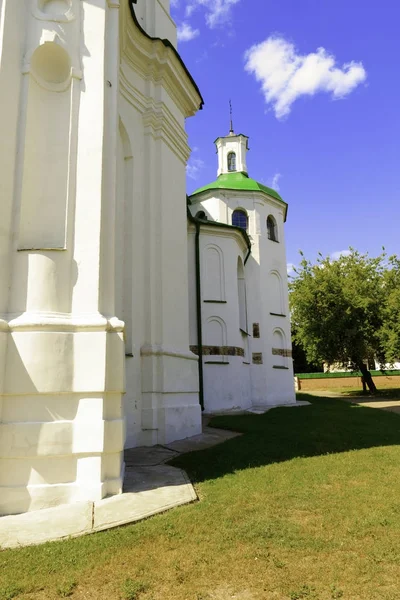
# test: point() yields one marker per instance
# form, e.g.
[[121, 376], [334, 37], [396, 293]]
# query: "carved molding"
[[224, 232], [60, 322], [157, 63], [159, 350], [157, 118], [63, 17]]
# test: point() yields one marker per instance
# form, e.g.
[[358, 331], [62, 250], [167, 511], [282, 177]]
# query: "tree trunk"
[[367, 378], [364, 385]]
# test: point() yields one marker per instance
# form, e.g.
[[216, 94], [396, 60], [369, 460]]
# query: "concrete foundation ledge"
[[147, 491], [259, 410], [45, 525]]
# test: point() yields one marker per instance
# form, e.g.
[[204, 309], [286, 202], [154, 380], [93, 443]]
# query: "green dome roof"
[[238, 181]]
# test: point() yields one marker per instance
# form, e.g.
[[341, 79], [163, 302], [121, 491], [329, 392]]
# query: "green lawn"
[[304, 505]]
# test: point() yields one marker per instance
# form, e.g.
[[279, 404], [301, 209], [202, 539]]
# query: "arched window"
[[239, 219], [272, 229], [231, 161]]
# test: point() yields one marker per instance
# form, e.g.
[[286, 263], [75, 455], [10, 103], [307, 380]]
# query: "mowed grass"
[[304, 505]]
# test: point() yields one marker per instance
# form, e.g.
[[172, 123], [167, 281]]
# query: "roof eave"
[[167, 44]]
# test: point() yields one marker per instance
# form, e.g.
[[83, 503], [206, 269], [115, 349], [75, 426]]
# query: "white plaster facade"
[[93, 246], [244, 293], [98, 295]]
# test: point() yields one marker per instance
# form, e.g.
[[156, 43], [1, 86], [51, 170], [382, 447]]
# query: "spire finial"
[[231, 132]]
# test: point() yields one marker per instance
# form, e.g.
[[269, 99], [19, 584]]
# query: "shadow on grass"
[[327, 426], [382, 394]]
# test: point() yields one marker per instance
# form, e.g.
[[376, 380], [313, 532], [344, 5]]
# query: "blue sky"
[[315, 84]]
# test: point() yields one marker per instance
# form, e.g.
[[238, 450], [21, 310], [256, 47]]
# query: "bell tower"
[[232, 151]]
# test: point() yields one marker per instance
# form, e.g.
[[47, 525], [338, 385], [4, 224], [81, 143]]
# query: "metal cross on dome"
[[231, 132]]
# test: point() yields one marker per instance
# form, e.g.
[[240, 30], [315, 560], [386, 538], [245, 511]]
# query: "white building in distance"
[[102, 316], [239, 292]]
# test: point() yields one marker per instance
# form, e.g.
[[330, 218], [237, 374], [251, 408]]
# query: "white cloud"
[[290, 268], [275, 181], [218, 12], [202, 57], [186, 33], [193, 168], [285, 75], [336, 255]]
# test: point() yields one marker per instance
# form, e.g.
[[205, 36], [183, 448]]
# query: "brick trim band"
[[282, 352], [219, 350]]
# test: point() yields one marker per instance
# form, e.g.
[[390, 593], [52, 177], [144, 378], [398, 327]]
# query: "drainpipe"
[[248, 254], [199, 316], [198, 222]]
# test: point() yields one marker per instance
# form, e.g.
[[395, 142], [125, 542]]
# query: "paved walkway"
[[158, 455], [368, 401], [389, 405], [150, 487]]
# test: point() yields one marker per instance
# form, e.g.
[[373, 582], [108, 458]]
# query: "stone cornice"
[[159, 350], [158, 120], [156, 61], [224, 232], [60, 322], [4, 326], [161, 125], [261, 198]]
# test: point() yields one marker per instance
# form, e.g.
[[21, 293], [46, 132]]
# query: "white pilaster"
[[61, 346]]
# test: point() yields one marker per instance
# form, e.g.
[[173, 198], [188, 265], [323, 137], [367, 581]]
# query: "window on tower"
[[231, 161], [239, 219], [272, 229]]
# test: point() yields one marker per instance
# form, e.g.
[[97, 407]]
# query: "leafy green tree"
[[341, 313], [300, 362], [390, 330]]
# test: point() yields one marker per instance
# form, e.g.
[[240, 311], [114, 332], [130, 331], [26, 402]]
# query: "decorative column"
[[61, 346]]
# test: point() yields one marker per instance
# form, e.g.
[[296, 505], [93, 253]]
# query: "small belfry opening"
[[272, 229], [231, 161]]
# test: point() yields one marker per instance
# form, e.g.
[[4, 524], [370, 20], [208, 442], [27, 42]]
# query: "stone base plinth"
[[62, 430]]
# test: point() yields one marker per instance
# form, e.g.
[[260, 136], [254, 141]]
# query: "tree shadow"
[[327, 426]]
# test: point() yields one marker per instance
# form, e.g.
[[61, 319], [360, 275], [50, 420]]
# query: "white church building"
[[125, 307], [238, 305]]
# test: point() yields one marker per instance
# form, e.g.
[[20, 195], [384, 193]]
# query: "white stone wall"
[[93, 233], [62, 429], [226, 375], [161, 401], [268, 378]]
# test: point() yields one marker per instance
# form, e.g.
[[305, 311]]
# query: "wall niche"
[[46, 149], [54, 10]]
